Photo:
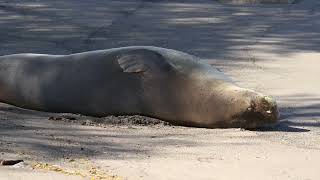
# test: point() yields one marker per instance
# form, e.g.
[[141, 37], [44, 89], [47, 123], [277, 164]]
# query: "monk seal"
[[144, 80]]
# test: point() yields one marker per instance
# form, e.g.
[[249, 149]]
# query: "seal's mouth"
[[263, 111]]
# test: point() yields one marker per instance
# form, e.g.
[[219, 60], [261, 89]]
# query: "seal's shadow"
[[282, 126]]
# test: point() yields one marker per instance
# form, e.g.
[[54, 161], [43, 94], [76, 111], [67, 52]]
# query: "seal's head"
[[262, 111], [245, 108]]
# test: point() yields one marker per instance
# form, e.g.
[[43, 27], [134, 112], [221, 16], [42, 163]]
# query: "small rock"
[[9, 162]]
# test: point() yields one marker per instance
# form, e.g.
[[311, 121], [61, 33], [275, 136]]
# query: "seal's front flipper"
[[143, 61]]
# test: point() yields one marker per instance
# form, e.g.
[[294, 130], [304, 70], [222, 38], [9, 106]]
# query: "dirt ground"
[[274, 49]]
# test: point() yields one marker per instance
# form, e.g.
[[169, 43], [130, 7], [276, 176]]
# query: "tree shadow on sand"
[[34, 134], [204, 28]]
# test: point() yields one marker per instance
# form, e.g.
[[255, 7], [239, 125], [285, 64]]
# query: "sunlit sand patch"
[[196, 20], [82, 167], [259, 1]]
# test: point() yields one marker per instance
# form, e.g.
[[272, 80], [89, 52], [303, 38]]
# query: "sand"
[[269, 48]]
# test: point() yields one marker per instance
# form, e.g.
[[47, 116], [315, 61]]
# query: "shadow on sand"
[[204, 28]]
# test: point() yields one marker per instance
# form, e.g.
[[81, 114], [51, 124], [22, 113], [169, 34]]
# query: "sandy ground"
[[274, 49]]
